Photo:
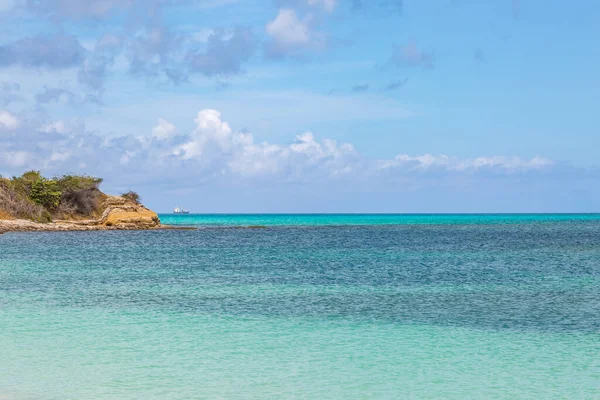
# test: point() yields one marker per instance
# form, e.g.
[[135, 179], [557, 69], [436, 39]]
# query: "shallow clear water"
[[365, 219], [352, 307]]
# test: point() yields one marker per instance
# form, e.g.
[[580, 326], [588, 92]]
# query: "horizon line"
[[386, 213]]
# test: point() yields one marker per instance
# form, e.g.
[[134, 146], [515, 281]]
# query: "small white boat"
[[180, 210]]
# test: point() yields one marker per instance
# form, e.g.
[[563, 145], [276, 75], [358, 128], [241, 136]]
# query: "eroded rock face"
[[123, 214], [118, 213]]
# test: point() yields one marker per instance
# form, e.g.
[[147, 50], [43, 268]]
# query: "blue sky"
[[308, 105]]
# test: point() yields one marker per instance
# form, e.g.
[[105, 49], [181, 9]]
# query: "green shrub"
[[22, 184], [18, 205], [132, 196], [46, 193], [32, 196], [77, 182]]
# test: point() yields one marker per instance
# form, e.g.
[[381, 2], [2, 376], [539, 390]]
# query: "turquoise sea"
[[311, 307]]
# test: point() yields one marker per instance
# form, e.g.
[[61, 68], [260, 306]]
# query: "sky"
[[309, 106]]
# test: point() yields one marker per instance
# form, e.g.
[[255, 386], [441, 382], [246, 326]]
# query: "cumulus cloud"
[[210, 130], [288, 30], [164, 129], [56, 51], [8, 121], [291, 35], [216, 147], [214, 150]]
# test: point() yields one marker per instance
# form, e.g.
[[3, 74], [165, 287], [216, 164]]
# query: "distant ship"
[[179, 210]]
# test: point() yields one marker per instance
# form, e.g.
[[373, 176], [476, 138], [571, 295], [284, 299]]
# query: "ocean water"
[[208, 220], [312, 307]]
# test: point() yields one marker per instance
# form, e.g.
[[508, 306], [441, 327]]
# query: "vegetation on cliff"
[[35, 197], [132, 196], [32, 202]]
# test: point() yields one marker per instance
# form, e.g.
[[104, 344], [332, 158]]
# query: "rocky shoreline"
[[119, 214]]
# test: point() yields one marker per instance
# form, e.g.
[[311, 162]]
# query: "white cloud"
[[292, 36], [8, 121], [215, 147], [56, 126], [59, 156], [210, 134], [430, 162], [288, 30], [17, 159], [214, 150], [164, 129]]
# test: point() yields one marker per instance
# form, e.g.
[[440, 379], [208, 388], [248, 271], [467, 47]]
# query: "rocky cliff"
[[118, 213]]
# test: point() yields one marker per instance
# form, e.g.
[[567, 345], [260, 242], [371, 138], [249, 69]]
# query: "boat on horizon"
[[180, 210]]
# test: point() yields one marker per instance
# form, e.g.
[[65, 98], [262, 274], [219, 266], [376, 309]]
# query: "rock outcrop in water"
[[32, 202], [118, 213], [121, 213]]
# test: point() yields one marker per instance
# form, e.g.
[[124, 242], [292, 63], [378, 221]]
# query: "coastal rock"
[[123, 214], [118, 214]]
